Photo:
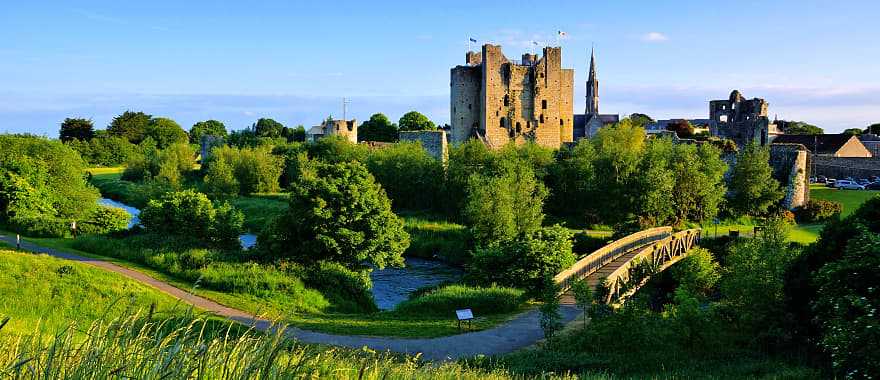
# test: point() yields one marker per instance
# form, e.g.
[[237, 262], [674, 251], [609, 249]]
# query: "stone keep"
[[739, 119], [791, 167], [498, 100]]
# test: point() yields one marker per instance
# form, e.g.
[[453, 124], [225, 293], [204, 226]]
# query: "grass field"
[[45, 293], [850, 199]]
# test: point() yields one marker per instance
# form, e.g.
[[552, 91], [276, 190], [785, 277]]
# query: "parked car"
[[821, 179], [863, 181], [873, 186], [830, 182], [850, 179], [874, 178], [848, 185]]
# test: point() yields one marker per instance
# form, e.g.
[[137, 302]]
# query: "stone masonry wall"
[[791, 167], [433, 141], [842, 167]]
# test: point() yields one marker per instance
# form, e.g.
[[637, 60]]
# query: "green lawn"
[[850, 199], [44, 293]]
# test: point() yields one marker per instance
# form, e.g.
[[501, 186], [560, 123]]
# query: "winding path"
[[523, 330]]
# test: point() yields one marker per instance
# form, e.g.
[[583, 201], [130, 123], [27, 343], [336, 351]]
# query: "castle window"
[[544, 104], [502, 122], [542, 118], [561, 122], [506, 100], [722, 118], [453, 109], [469, 106], [518, 127]]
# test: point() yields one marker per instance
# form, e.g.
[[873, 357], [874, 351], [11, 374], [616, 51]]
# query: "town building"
[[871, 143], [830, 145], [330, 127], [499, 100], [591, 121]]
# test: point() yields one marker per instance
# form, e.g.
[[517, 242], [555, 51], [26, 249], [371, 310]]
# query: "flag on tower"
[[562, 34], [474, 40], [535, 43]]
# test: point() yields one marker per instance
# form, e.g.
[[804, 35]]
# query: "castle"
[[742, 120], [346, 129], [498, 100]]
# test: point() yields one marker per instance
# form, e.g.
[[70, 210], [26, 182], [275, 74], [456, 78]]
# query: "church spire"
[[592, 87]]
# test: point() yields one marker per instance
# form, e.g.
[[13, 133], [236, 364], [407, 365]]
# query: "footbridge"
[[624, 265]]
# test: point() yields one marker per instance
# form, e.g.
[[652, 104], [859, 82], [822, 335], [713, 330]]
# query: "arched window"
[[518, 127], [506, 100], [561, 122], [542, 118], [544, 104], [502, 123]]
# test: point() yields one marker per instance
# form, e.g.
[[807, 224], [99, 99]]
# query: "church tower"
[[592, 87]]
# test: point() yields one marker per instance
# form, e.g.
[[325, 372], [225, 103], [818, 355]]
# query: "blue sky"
[[237, 61]]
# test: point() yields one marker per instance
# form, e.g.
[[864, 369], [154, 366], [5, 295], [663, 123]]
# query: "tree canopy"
[[798, 128], [415, 121], [207, 127], [753, 190], [268, 128], [76, 129], [165, 132], [130, 125], [852, 131], [378, 128], [337, 212]]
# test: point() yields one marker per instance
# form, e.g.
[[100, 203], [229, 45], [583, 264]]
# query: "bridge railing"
[[602, 256]]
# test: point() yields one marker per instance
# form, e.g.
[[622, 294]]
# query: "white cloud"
[[654, 37]]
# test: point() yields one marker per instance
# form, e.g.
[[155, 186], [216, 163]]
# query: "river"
[[390, 285]]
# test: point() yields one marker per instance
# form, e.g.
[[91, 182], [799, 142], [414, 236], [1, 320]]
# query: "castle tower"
[[592, 87]]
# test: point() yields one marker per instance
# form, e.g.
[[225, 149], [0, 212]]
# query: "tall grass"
[[444, 301], [434, 237], [137, 347]]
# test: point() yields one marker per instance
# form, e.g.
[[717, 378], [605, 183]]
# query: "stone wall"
[[842, 167], [791, 167], [433, 141]]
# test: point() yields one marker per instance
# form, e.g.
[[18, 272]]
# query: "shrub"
[[753, 190], [40, 226], [105, 219], [243, 170], [501, 207], [337, 213], [349, 291], [192, 214], [444, 301], [525, 261], [698, 272], [817, 210], [584, 244]]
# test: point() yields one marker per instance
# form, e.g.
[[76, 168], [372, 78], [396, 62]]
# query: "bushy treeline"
[[43, 190]]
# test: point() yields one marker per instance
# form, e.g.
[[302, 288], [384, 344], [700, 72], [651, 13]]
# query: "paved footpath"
[[522, 331]]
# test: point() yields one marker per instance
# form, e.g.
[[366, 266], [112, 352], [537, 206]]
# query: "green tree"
[[852, 131], [572, 183], [131, 126], [165, 132], [846, 307], [42, 186], [583, 297], [619, 151], [641, 119], [254, 170], [207, 127], [174, 162], [378, 128], [798, 128], [873, 129], [295, 134], [414, 121], [335, 149], [698, 273], [268, 128], [338, 213], [699, 182], [220, 179], [76, 129], [752, 282], [656, 184], [525, 260], [191, 214], [410, 176], [551, 319], [753, 190], [501, 207], [465, 160]]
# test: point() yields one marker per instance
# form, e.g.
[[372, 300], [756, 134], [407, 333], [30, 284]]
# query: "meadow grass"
[[850, 199], [434, 237], [445, 300], [282, 306], [43, 293], [260, 209]]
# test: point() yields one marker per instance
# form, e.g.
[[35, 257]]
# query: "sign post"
[[464, 315]]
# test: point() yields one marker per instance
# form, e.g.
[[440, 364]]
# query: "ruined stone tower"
[[498, 100], [739, 119]]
